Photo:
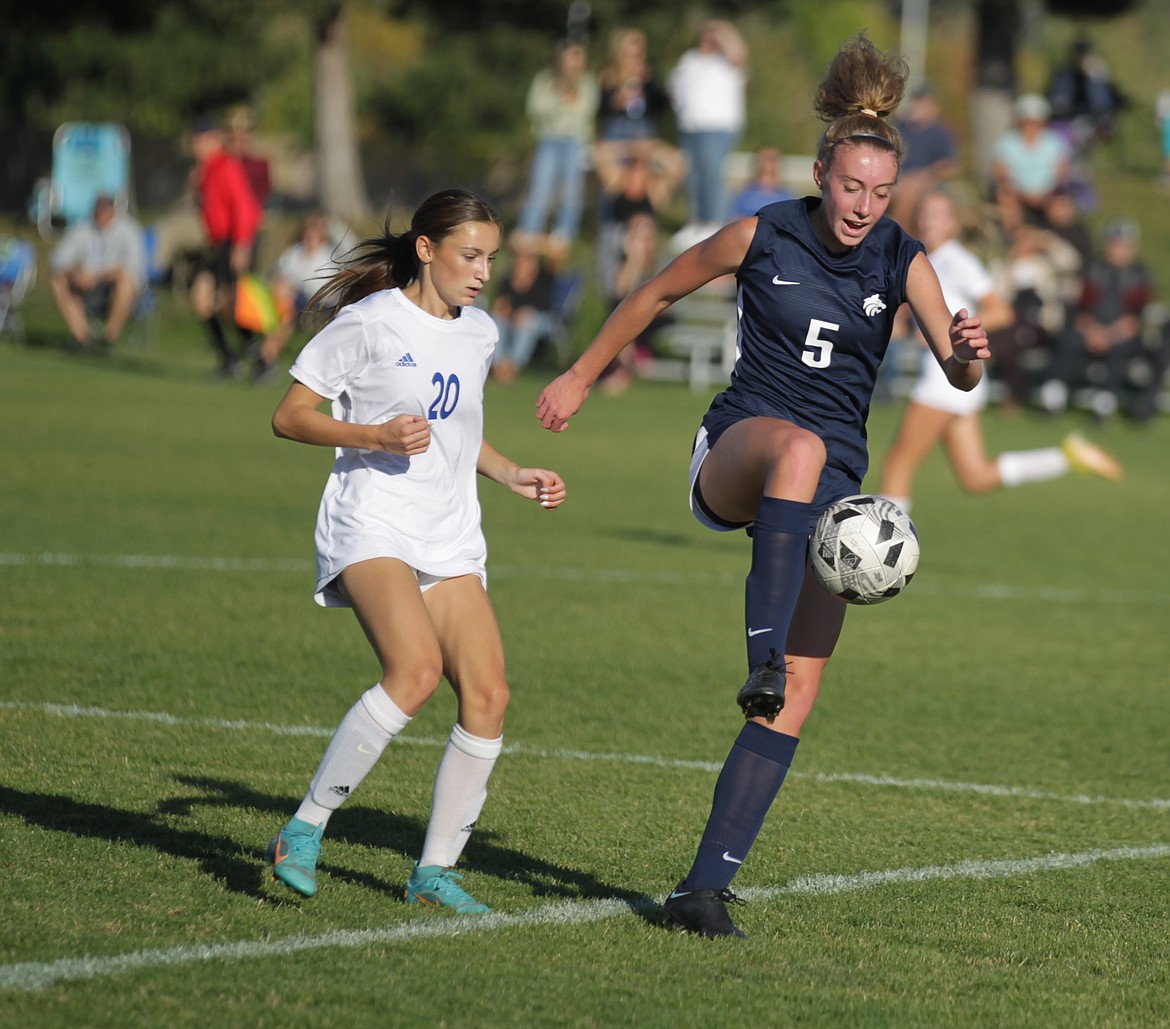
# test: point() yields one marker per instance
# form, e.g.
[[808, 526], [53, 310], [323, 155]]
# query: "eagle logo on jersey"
[[873, 305]]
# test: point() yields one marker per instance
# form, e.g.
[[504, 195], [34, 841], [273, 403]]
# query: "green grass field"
[[976, 830]]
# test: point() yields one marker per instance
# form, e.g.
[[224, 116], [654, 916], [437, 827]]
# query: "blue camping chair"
[[18, 272], [89, 160]]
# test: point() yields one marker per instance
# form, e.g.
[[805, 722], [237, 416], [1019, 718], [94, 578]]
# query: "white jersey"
[[380, 357], [965, 283]]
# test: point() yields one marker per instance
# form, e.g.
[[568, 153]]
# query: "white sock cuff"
[[1017, 467], [387, 715], [476, 746]]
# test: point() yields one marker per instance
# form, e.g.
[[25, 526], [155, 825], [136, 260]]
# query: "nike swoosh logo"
[[363, 749], [734, 861], [679, 893], [751, 632], [777, 281], [280, 855]]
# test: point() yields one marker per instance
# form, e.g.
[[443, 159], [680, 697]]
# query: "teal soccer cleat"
[[293, 853], [439, 887]]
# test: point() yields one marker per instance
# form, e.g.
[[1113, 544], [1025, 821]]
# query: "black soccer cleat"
[[762, 696], [701, 911]]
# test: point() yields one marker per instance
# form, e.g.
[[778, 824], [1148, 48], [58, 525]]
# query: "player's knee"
[[415, 679], [482, 706], [800, 452]]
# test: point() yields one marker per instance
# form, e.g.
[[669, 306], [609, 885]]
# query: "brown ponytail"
[[861, 89], [391, 261]]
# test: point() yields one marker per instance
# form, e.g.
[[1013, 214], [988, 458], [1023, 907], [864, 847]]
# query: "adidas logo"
[[405, 361], [341, 791], [873, 305]]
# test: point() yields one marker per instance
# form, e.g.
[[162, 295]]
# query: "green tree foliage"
[[148, 65]]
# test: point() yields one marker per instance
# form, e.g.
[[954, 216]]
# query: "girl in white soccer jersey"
[[403, 362], [939, 413], [819, 281]]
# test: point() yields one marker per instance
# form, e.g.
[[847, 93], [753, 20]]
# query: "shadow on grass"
[[241, 868], [372, 827]]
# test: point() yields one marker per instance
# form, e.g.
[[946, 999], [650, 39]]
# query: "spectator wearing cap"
[[930, 153], [1029, 162], [1111, 347], [98, 272]]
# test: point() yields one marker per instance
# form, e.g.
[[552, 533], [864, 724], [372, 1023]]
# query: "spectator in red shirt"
[[231, 218]]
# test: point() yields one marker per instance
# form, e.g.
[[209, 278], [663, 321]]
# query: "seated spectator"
[[98, 272], [1105, 339], [1041, 276], [637, 184], [766, 185], [523, 312], [1029, 163], [634, 191], [930, 153], [298, 273]]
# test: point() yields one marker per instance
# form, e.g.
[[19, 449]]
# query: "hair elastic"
[[871, 113]]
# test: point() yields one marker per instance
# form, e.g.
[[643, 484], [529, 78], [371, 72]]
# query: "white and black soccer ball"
[[864, 549]]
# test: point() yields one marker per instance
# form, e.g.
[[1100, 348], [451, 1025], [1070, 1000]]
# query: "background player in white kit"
[[939, 413], [403, 361]]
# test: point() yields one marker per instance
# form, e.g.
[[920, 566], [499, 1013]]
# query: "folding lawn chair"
[[89, 160], [18, 272]]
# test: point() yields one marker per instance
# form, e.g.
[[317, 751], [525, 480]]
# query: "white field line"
[[595, 757], [921, 587], [38, 975]]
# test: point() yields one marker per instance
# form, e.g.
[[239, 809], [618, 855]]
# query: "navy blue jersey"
[[813, 329]]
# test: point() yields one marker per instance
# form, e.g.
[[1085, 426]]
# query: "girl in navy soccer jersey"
[[403, 361], [819, 281]]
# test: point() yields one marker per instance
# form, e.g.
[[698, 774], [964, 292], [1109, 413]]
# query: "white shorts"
[[933, 390], [698, 509], [333, 594]]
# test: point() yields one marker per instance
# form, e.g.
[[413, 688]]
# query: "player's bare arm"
[[299, 417], [539, 484], [720, 254], [957, 340]]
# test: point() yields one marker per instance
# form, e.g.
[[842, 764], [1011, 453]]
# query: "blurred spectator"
[[634, 190], [98, 272], [1084, 100], [1163, 118], [240, 141], [930, 153], [765, 187], [633, 103], [1105, 348], [1029, 163], [523, 312], [231, 217], [1065, 220], [562, 107], [707, 88], [1041, 276], [299, 272]]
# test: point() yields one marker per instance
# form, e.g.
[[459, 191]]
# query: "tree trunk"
[[342, 190], [997, 31]]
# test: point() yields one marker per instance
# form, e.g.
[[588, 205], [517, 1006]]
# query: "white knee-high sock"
[[1019, 466], [372, 722], [460, 792]]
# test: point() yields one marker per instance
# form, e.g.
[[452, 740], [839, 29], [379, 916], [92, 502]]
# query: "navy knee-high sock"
[[747, 785], [779, 552]]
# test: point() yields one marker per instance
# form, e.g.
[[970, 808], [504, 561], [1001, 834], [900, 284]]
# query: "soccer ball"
[[864, 549]]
